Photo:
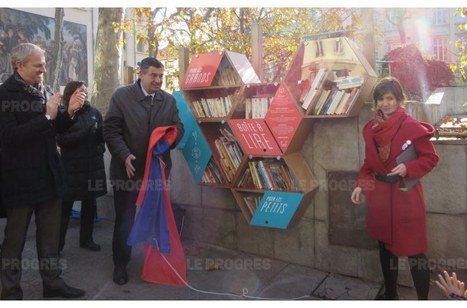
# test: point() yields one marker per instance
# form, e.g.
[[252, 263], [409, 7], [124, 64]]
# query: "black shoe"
[[90, 246], [383, 296], [120, 276], [64, 291], [14, 293]]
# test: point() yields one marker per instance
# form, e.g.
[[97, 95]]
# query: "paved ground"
[[238, 274]]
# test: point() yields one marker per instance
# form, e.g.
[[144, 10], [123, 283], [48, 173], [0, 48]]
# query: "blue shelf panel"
[[197, 153], [187, 117], [276, 209]]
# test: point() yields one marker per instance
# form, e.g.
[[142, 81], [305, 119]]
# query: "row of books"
[[252, 202], [213, 107], [230, 154], [211, 175], [268, 175], [349, 82], [226, 76], [257, 107], [309, 93], [333, 102]]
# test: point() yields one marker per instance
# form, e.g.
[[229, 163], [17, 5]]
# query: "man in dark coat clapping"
[[31, 171]]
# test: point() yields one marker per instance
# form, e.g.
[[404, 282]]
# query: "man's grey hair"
[[22, 51]]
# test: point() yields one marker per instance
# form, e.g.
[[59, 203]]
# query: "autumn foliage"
[[418, 76]]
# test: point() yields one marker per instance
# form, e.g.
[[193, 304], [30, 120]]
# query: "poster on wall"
[[23, 27]]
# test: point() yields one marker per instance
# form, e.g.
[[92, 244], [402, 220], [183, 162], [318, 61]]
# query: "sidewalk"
[[218, 273]]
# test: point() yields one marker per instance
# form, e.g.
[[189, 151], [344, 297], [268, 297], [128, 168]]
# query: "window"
[[440, 48], [389, 20], [140, 47], [169, 64], [440, 16]]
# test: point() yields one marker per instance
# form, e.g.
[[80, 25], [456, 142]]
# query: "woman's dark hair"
[[70, 88], [388, 84]]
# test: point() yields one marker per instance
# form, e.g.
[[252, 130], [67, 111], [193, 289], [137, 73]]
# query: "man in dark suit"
[[32, 174], [134, 112]]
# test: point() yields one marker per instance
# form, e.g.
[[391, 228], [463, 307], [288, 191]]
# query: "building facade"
[[434, 31]]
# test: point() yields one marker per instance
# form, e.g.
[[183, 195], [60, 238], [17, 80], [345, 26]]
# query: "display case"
[[330, 78]]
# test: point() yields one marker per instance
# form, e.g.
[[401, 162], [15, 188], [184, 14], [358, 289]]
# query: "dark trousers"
[[87, 215], [47, 218], [125, 209], [418, 268]]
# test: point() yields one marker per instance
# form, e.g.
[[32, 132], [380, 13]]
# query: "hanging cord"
[[244, 290]]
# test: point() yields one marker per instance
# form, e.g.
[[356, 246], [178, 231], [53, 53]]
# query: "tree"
[[396, 17], [461, 45], [107, 57], [58, 48], [417, 75], [207, 29]]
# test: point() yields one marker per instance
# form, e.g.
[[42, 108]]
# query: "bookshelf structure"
[[274, 182], [255, 131], [232, 109], [270, 191], [330, 78], [212, 87]]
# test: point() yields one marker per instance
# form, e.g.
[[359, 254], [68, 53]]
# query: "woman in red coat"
[[396, 213]]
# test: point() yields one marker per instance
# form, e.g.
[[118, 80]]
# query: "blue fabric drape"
[[150, 225]]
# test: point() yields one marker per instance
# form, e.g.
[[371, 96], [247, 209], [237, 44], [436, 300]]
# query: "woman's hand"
[[400, 169], [76, 102], [450, 284], [356, 195]]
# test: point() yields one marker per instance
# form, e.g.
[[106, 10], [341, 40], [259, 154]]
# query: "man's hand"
[[76, 102], [52, 105], [356, 195], [130, 170], [450, 284]]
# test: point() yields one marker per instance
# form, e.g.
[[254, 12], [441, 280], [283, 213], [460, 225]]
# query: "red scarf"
[[383, 131]]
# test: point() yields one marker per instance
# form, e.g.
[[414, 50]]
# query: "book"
[[322, 98], [327, 103], [348, 104], [305, 86], [340, 106], [408, 154], [254, 175], [349, 82], [335, 101], [317, 82]]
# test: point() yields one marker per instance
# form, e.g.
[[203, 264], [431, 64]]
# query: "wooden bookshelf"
[[254, 132], [227, 154], [287, 122], [254, 101], [212, 87], [330, 78], [283, 175], [212, 103]]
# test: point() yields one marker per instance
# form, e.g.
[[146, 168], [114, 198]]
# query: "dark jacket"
[[82, 148], [31, 167], [2, 210], [128, 125]]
